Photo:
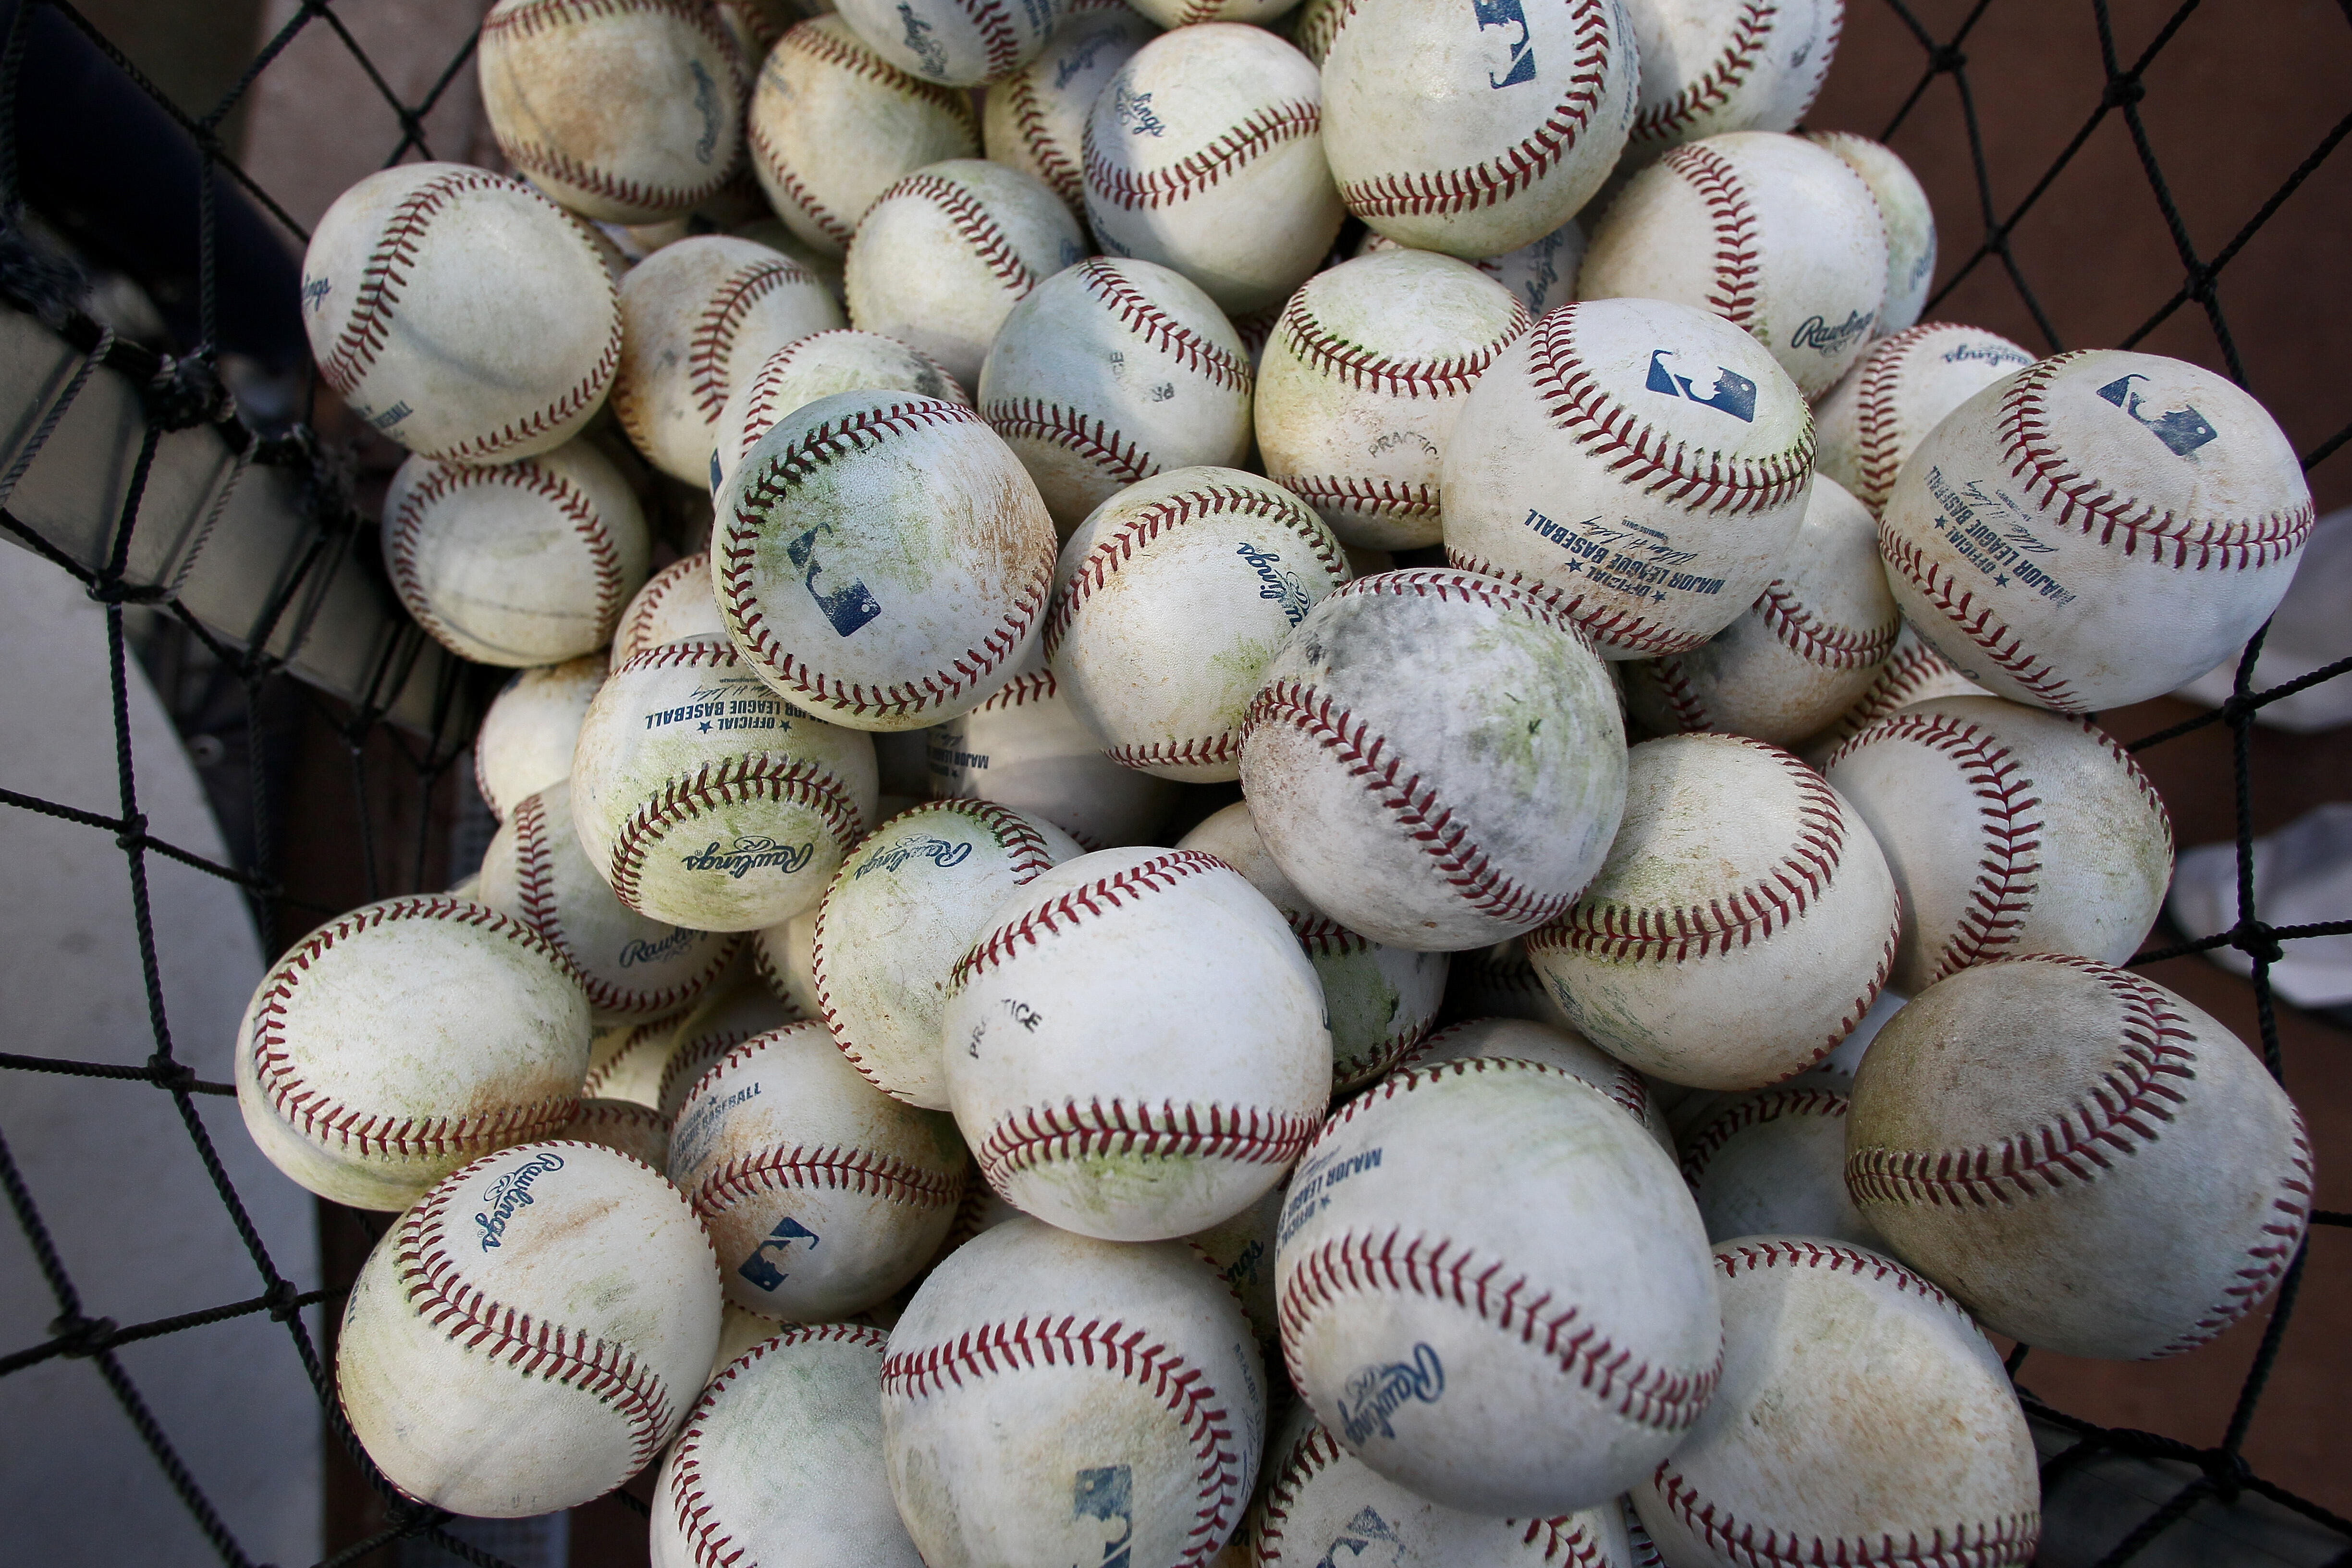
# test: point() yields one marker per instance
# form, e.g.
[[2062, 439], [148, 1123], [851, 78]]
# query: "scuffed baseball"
[[1362, 381], [907, 904], [1523, 1039], [1873, 421], [1913, 673], [1541, 273], [1101, 1084], [2095, 530], [1640, 466], [1027, 748], [882, 559], [1477, 130], [530, 1335], [1910, 223], [367, 1087], [1239, 1250], [1742, 925], [524, 564], [1205, 154], [941, 258], [1035, 119], [956, 42], [674, 605], [1709, 68], [460, 312], [1193, 13], [785, 956], [823, 365], [1110, 373], [1773, 1162], [1436, 759]]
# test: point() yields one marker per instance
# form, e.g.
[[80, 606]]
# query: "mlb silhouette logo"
[[2181, 429], [1507, 13], [758, 1267], [1107, 1494], [1726, 389]]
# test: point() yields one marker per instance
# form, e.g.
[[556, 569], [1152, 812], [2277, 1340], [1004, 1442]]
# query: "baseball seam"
[[1230, 152], [1043, 1135], [1070, 909], [1813, 639], [1878, 425], [1956, 601], [558, 167], [2267, 1259], [831, 1168], [1103, 447], [1736, 288], [637, 636], [1352, 364], [1682, 696], [1361, 497], [1754, 1111], [973, 222], [1713, 88], [1054, 165], [447, 480], [1136, 311], [730, 782], [711, 348]]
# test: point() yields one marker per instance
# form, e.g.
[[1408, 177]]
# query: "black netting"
[[251, 690]]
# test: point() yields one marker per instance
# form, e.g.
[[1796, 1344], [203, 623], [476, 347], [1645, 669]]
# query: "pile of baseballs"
[[1093, 977]]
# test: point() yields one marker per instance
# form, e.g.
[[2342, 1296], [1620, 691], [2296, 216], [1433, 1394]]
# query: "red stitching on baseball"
[[831, 1169], [992, 1347], [728, 782], [1048, 1135], [772, 159], [1110, 453], [1739, 246], [2268, 1258], [1136, 311], [446, 479], [1231, 152], [1946, 593], [1362, 496], [1093, 901], [1754, 1111], [1682, 698], [2001, 1542], [1209, 750], [1054, 165], [712, 346], [1367, 370], [973, 222], [1908, 670], [1814, 640], [558, 167], [1878, 427], [1712, 88], [547, 15], [1517, 167], [996, 39], [1626, 1086], [635, 636]]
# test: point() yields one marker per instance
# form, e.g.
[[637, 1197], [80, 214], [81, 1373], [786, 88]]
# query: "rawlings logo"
[[1378, 1392], [677, 944], [1818, 334], [939, 852], [510, 1193], [706, 103], [1275, 582], [315, 292], [1992, 353], [920, 43], [751, 854], [1133, 109]]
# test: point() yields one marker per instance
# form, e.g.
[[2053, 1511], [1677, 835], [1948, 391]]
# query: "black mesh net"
[[406, 717]]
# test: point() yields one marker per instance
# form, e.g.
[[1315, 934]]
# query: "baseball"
[[1476, 132], [1872, 422], [1913, 673], [1541, 273], [1321, 1504], [2095, 530], [624, 110], [1035, 119], [1240, 1251], [1773, 1164], [530, 1335], [625, 1063], [1498, 982], [1436, 759], [782, 1459], [1910, 223], [834, 125], [823, 365], [1741, 926], [707, 801], [1802, 654], [1170, 600], [1641, 466], [524, 564], [697, 318], [956, 42], [821, 1193], [535, 871], [906, 905], [1109, 374], [882, 559], [674, 605], [1134, 1359], [1777, 236], [1523, 1039], [1103, 1087], [2013, 1120], [367, 1087], [1205, 154], [2009, 830], [941, 258], [1709, 67], [731, 1014], [784, 957], [1378, 1001], [1859, 1410], [1361, 382], [1525, 1358], [1026, 747], [460, 312], [640, 1132]]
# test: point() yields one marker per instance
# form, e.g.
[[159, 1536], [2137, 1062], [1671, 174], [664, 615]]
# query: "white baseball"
[[707, 801], [2009, 830], [530, 1335], [906, 905], [536, 871], [1026, 747], [780, 1459], [1320, 1505], [1861, 1415], [834, 125], [1475, 130], [882, 559], [1362, 381], [956, 42], [1742, 925], [640, 1132], [1205, 154], [1035, 119], [697, 318], [1102, 1082], [1170, 601], [1110, 373], [1436, 759], [821, 1195], [1773, 1164], [675, 604], [1914, 672], [732, 1013], [398, 1041], [2013, 1121], [1777, 236], [1910, 223], [784, 957], [1526, 1357], [766, 228], [460, 312], [1499, 982], [2095, 530], [1709, 68], [823, 365], [1132, 1362], [941, 258], [624, 1062], [1523, 1039], [1872, 422], [1803, 653], [1541, 273], [626, 111], [1639, 465], [524, 564], [1378, 1001]]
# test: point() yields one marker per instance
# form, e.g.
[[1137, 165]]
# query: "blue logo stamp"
[[763, 1274], [509, 1192], [848, 607], [1367, 1538], [2181, 429], [1107, 1494], [1507, 13], [1728, 390], [1379, 1391]]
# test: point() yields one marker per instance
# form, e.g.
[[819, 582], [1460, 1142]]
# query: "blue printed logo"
[[1726, 389], [1378, 1392], [943, 853], [509, 1192], [763, 1274], [1507, 14], [1367, 1538], [1107, 1494], [2181, 429], [848, 607], [749, 855]]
